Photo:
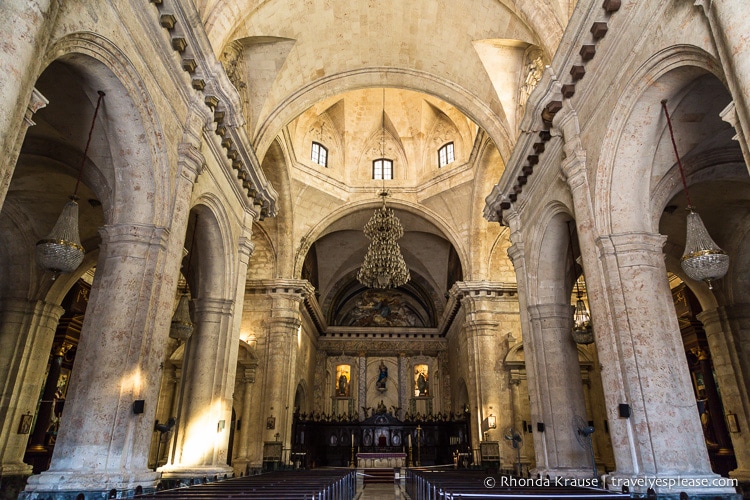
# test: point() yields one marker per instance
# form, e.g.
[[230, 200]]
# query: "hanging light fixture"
[[181, 327], [702, 259], [583, 332], [384, 266], [61, 251]]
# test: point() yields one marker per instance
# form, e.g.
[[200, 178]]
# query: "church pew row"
[[454, 485], [319, 484]]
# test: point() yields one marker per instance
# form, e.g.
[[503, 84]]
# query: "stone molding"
[[133, 234]]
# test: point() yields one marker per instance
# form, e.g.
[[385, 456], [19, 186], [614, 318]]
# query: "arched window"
[[445, 155], [319, 154], [382, 169]]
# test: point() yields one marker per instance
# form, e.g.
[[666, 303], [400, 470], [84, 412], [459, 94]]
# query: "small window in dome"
[[445, 155], [382, 169], [319, 154]]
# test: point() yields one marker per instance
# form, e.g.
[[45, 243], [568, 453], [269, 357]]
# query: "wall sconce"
[[492, 421]]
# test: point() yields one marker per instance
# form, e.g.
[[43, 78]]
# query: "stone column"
[[102, 442], [405, 382], [667, 443], [26, 335], [26, 28], [561, 396], [730, 26], [490, 308], [202, 431], [362, 385], [283, 324], [726, 354], [247, 377], [517, 256]]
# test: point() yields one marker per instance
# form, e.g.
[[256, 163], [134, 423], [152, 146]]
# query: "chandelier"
[[181, 327], [384, 266], [702, 259], [61, 251], [583, 332]]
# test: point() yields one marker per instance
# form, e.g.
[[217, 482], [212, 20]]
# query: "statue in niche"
[[343, 386], [421, 382], [380, 384]]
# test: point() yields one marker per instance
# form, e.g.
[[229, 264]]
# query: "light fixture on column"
[[181, 327], [384, 265], [61, 251], [583, 333], [492, 422], [702, 259]]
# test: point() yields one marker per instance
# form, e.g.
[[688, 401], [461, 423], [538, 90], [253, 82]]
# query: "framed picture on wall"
[[24, 426]]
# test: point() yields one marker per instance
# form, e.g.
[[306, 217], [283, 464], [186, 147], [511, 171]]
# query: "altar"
[[381, 460]]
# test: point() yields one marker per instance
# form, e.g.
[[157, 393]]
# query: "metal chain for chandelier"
[[61, 251], [702, 259], [181, 327], [384, 265], [583, 332]]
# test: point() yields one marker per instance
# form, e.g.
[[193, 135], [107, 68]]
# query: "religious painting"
[[421, 380], [383, 308], [343, 380]]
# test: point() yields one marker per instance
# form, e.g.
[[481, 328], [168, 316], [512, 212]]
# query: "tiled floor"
[[382, 492]]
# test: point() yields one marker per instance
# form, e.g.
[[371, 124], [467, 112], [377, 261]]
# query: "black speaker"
[[138, 406], [540, 426], [624, 410]]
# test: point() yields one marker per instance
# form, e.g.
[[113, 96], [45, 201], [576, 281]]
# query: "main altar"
[[378, 460], [381, 440]]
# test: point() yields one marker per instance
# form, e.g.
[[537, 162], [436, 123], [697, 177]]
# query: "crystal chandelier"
[[384, 266], [61, 251], [702, 260], [583, 332], [181, 327]]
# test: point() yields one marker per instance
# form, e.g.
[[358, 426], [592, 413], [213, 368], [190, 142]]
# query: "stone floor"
[[382, 492]]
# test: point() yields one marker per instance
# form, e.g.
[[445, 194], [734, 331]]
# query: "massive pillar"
[[491, 310], [104, 438], [276, 305], [26, 334], [561, 398], [666, 438], [205, 410], [242, 438], [209, 368], [730, 25], [26, 28], [517, 255]]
